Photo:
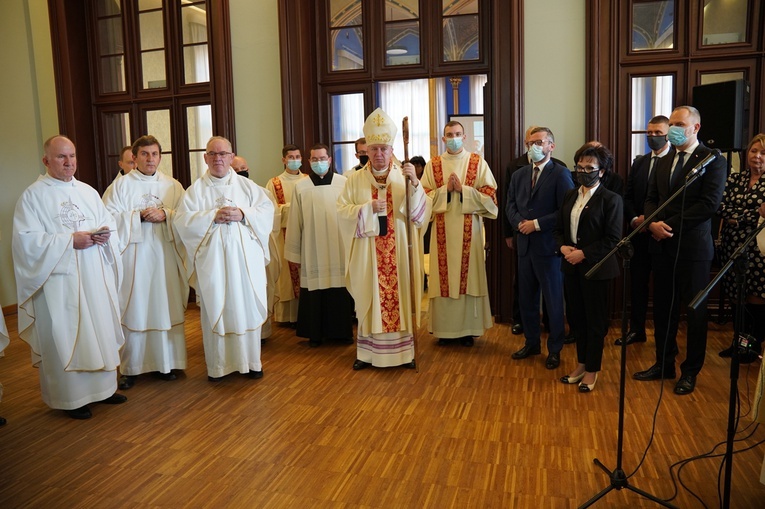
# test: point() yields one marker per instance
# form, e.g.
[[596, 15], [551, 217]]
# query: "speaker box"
[[724, 109]]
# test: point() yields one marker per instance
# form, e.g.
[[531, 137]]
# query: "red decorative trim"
[[443, 267], [277, 182], [387, 269]]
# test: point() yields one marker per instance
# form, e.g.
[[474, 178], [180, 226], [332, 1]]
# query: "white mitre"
[[379, 129]]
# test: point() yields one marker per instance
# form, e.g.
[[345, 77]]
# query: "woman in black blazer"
[[589, 226]]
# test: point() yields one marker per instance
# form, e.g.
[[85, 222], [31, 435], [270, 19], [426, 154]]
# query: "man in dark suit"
[[681, 246], [634, 204], [534, 197], [517, 164]]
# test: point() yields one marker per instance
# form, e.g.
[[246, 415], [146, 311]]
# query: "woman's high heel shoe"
[[568, 379], [583, 387]]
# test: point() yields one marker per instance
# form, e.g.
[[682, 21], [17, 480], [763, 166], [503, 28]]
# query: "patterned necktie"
[[678, 171], [534, 176]]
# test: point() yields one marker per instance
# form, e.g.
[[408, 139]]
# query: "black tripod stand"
[[617, 476], [739, 260]]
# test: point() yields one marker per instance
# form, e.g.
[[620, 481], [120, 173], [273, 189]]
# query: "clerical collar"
[[379, 173]]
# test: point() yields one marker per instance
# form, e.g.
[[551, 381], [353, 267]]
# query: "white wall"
[[554, 70], [257, 86], [28, 103]]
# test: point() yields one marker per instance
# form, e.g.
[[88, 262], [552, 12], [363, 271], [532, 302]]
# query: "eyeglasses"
[[538, 143], [586, 169], [218, 154], [317, 159]]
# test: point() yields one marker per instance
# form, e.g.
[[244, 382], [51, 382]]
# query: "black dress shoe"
[[410, 365], [114, 399], [2, 421], [255, 374], [632, 337], [313, 343], [685, 385], [467, 341], [347, 341], [168, 376], [655, 373], [358, 365], [126, 382], [443, 341], [527, 351], [728, 352], [553, 360], [214, 378], [79, 413], [569, 338], [517, 329]]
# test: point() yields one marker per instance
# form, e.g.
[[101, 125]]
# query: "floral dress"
[[741, 203]]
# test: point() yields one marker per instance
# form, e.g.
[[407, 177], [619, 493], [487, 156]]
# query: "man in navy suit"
[[634, 204], [681, 246], [534, 197]]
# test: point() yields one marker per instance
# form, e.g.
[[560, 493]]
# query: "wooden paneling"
[[472, 429]]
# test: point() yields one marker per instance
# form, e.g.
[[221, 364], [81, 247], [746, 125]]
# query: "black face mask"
[[588, 179], [363, 160], [245, 174], [657, 142]]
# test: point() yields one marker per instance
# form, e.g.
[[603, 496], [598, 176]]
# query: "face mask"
[[245, 174], [294, 164], [676, 135], [537, 153], [454, 144], [363, 160], [320, 167], [588, 179], [657, 142]]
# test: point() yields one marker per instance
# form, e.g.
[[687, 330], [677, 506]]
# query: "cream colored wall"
[[257, 86], [28, 103], [554, 67]]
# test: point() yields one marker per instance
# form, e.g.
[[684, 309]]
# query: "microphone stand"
[[739, 259], [624, 247]]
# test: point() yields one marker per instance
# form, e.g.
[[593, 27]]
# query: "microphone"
[[699, 168]]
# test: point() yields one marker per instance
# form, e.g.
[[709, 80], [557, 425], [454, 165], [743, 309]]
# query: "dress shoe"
[[568, 379], [553, 360], [410, 365], [570, 338], [170, 376], [79, 413], [583, 387], [517, 329], [313, 343], [358, 365], [2, 421], [527, 351], [685, 385], [654, 373], [126, 382], [347, 341], [728, 352], [114, 399], [214, 378], [255, 374], [467, 341], [632, 337]]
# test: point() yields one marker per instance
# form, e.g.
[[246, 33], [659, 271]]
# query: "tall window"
[[151, 62]]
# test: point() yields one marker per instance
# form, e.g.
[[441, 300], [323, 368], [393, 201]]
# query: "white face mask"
[[537, 153]]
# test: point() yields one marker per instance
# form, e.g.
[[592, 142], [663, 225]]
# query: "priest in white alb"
[[373, 206], [224, 221], [154, 291], [464, 192], [67, 276], [288, 283]]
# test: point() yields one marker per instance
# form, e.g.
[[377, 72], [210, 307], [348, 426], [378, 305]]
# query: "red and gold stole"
[[387, 266], [467, 229], [294, 267]]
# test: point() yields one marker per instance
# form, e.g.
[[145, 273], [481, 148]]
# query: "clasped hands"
[[454, 184], [153, 215], [660, 230], [572, 255], [84, 240], [226, 215]]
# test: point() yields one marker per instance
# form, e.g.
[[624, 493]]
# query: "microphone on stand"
[[699, 168]]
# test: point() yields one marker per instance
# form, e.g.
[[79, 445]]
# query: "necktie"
[[534, 176], [652, 166], [678, 171]]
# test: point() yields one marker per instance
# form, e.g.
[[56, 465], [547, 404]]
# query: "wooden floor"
[[472, 429]]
